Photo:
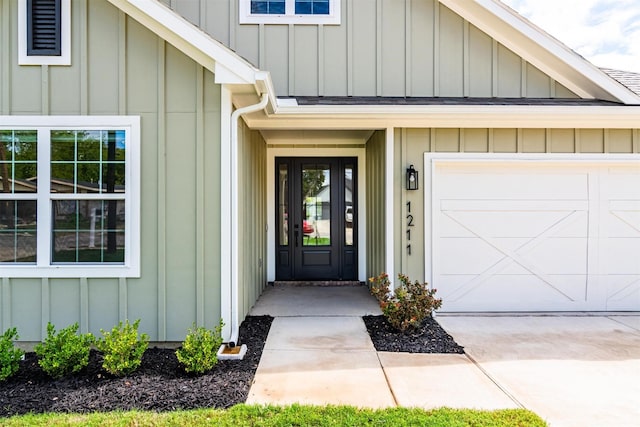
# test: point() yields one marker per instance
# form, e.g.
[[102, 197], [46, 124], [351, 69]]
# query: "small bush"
[[198, 353], [9, 355], [409, 305], [122, 348], [65, 352]]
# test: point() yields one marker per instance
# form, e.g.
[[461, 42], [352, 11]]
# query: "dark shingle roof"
[[373, 100], [627, 79]]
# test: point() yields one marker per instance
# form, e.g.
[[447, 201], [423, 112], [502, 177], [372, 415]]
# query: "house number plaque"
[[409, 218]]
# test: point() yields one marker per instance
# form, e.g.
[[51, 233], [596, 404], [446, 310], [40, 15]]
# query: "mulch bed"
[[430, 338], [160, 384]]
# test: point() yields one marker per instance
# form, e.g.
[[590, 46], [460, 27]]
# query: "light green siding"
[[375, 210], [252, 211], [381, 48], [411, 144], [118, 67]]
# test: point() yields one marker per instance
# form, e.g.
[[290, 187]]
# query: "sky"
[[605, 32]]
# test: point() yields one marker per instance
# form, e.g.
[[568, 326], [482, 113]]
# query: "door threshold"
[[325, 283]]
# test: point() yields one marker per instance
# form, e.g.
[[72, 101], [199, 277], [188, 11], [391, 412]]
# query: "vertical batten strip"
[[494, 68], [408, 67], [636, 140], [44, 89], [461, 140], [436, 48], [84, 305], [5, 58], [607, 141], [5, 304], [523, 78], [122, 63], [466, 59], [122, 299], [162, 189], [233, 20], [349, 21], [577, 141], [379, 47], [200, 196], [552, 88], [519, 140], [261, 50], [321, 58], [291, 60], [45, 306], [84, 58]]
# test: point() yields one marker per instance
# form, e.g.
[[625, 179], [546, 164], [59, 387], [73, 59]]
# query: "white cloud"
[[606, 32]]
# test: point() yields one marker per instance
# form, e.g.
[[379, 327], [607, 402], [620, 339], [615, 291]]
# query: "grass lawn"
[[296, 415]]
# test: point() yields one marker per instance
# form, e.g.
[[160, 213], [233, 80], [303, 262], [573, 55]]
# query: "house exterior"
[[165, 160]]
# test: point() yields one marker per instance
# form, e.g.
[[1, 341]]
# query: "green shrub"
[[122, 348], [9, 355], [65, 352], [410, 303], [198, 353]]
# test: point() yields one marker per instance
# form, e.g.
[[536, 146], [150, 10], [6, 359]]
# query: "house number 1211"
[[409, 218]]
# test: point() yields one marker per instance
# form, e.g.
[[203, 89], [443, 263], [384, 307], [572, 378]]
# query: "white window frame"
[[43, 266], [65, 37], [333, 18]]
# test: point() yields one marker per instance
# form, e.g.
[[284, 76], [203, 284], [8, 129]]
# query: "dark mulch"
[[430, 338], [160, 384]]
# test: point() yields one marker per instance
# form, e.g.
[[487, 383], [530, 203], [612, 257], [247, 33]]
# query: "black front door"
[[316, 218]]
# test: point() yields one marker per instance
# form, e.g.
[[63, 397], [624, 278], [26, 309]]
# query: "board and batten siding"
[[118, 67], [376, 202], [381, 48], [252, 217], [411, 144]]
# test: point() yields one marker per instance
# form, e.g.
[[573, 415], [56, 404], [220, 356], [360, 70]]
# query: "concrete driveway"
[[570, 370]]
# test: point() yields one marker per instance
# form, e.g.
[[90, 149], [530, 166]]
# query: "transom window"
[[290, 11], [69, 198]]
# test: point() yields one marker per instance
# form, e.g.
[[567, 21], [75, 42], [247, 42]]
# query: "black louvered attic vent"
[[43, 27]]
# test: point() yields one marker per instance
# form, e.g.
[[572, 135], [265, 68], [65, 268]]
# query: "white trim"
[[65, 37], [448, 116], [272, 153], [431, 159], [43, 124], [226, 108], [333, 18]]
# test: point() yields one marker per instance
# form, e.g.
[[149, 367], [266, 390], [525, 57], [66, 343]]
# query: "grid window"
[[87, 202], [290, 12]]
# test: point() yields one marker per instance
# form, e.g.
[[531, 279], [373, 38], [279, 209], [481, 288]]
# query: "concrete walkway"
[[570, 370]]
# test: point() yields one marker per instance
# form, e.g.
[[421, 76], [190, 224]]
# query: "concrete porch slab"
[[434, 380], [572, 371], [315, 301]]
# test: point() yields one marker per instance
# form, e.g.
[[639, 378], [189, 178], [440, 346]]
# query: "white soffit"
[[447, 116], [228, 67], [541, 50]]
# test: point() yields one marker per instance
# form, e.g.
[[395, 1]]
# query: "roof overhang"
[[541, 50], [446, 116], [227, 66]]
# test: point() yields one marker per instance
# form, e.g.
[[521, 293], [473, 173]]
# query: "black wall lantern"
[[412, 178]]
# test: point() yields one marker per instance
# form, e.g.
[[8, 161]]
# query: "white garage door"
[[535, 235]]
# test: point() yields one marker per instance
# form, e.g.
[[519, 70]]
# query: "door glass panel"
[[348, 203], [283, 207], [316, 205]]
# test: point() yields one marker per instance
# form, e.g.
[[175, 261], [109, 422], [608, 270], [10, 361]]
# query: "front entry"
[[316, 218]]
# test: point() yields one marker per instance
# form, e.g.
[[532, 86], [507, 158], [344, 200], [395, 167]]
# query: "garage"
[[534, 233]]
